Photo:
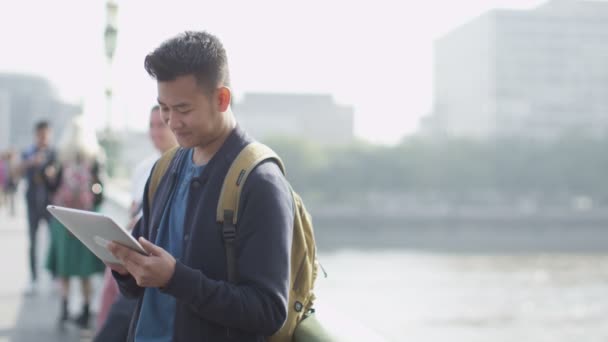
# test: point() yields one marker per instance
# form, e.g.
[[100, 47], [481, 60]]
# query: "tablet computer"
[[95, 231]]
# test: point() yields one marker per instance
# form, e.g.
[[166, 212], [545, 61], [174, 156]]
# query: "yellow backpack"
[[304, 264]]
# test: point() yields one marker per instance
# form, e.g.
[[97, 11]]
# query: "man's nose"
[[174, 123]]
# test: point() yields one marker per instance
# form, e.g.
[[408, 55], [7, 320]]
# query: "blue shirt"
[[37, 194], [157, 317], [30, 173]]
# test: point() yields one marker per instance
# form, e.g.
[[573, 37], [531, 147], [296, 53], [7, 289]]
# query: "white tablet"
[[95, 231]]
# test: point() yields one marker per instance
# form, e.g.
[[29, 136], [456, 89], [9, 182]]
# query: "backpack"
[[74, 191], [303, 251]]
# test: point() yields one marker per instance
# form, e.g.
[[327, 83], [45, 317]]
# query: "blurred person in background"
[[37, 198], [116, 310], [74, 181], [10, 185], [3, 176], [163, 140]]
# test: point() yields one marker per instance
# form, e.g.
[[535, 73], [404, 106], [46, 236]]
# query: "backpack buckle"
[[229, 229]]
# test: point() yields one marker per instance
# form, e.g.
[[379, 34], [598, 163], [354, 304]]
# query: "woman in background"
[[74, 182]]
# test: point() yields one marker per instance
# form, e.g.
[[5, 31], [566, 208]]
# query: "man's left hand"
[[153, 270]]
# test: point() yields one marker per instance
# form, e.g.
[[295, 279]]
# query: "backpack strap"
[[159, 171], [228, 205]]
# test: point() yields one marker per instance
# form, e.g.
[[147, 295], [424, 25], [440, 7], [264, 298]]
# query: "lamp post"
[[110, 34], [110, 140]]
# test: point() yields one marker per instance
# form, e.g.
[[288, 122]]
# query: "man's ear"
[[224, 97]]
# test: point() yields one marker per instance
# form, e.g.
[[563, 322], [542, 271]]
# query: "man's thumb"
[[151, 248]]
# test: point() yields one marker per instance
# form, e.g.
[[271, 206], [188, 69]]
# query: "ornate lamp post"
[[110, 140], [110, 34]]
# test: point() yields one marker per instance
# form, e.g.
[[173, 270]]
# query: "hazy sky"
[[375, 55]]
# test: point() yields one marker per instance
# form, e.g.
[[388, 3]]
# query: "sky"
[[374, 55]]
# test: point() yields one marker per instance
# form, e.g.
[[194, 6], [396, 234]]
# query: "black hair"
[[42, 124], [191, 53]]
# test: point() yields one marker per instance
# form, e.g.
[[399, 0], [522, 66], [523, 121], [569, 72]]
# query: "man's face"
[[190, 111], [160, 134], [43, 137]]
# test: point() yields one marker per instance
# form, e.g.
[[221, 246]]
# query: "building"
[[539, 73], [303, 116], [24, 100]]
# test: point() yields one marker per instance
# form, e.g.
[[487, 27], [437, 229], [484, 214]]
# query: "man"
[[37, 198], [116, 310], [163, 140], [182, 288]]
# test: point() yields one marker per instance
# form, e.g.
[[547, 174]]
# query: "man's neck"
[[203, 154]]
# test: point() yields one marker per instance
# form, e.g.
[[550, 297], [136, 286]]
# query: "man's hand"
[[50, 172], [153, 270], [118, 268]]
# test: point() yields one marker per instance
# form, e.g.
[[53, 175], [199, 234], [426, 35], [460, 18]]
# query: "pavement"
[[25, 318]]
